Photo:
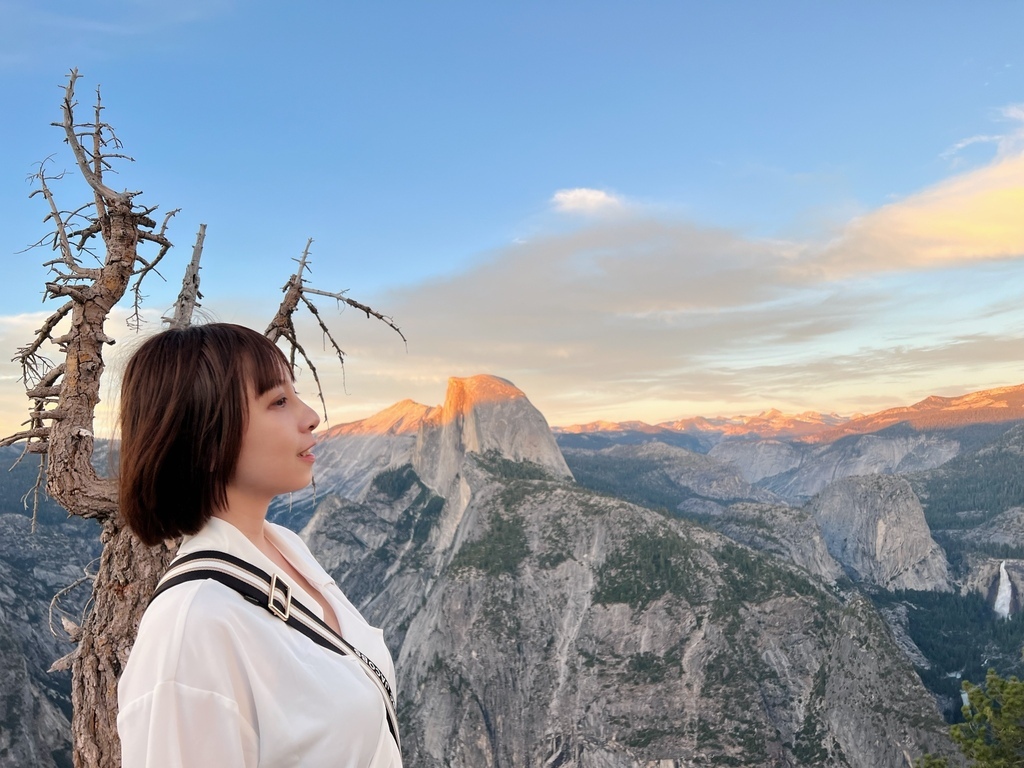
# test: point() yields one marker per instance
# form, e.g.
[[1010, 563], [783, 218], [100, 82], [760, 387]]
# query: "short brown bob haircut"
[[184, 408]]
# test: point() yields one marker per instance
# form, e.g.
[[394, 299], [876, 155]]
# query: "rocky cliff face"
[[660, 475], [1003, 530], [35, 707], [479, 414], [758, 459], [875, 527], [798, 471], [348, 456], [482, 414], [891, 531], [790, 533], [983, 575], [537, 623]]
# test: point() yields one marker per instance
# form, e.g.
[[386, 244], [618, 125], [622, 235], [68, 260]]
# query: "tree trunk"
[[128, 570], [127, 576]]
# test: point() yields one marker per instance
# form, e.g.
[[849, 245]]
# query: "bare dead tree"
[[64, 399], [97, 262]]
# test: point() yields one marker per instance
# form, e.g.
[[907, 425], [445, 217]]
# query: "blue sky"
[[631, 210]]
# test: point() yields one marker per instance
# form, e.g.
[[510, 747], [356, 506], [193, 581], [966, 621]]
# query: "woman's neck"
[[247, 516]]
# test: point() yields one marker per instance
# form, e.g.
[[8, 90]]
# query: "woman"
[[211, 431]]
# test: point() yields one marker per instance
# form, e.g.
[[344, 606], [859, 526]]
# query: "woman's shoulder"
[[194, 618], [188, 635], [188, 610]]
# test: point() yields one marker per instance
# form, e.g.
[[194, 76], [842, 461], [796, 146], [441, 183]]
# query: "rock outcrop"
[[875, 527], [35, 708], [757, 459], [797, 471], [790, 533], [482, 414]]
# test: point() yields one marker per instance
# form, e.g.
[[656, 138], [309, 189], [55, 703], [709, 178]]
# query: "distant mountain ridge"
[[771, 423], [983, 407], [987, 406]]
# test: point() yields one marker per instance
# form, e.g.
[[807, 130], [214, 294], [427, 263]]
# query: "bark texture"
[[127, 576]]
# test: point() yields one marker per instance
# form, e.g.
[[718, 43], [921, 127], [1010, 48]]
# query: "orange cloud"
[[975, 215]]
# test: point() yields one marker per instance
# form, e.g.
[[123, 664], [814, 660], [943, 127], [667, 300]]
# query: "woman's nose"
[[314, 418]]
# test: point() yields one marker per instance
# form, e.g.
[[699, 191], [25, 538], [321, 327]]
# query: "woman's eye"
[[281, 401]]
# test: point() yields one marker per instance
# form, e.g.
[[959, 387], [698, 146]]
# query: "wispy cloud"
[[1009, 142], [584, 200], [953, 151]]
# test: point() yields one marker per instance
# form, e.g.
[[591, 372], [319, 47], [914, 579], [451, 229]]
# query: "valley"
[[698, 593]]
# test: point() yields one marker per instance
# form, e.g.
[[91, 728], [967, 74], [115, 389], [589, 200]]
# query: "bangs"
[[264, 365]]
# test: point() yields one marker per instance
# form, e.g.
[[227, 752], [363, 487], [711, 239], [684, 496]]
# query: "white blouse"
[[215, 681]]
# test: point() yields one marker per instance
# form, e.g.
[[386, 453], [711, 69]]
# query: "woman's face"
[[275, 456]]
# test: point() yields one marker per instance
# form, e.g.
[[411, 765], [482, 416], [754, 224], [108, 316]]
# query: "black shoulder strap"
[[272, 593]]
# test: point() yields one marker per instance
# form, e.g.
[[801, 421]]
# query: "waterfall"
[[1004, 594]]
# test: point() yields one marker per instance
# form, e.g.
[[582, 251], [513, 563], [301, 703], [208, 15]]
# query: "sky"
[[644, 210]]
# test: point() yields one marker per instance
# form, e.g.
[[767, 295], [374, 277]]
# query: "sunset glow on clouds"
[[676, 318], [975, 215]]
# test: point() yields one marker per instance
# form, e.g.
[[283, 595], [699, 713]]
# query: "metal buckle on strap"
[[275, 584]]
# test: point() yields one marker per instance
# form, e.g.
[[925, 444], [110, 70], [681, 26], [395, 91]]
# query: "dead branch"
[[320, 321], [61, 241], [296, 346], [296, 292], [28, 434], [370, 312], [29, 356], [188, 298], [135, 319], [93, 175], [35, 489], [34, 492], [281, 324], [75, 630]]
